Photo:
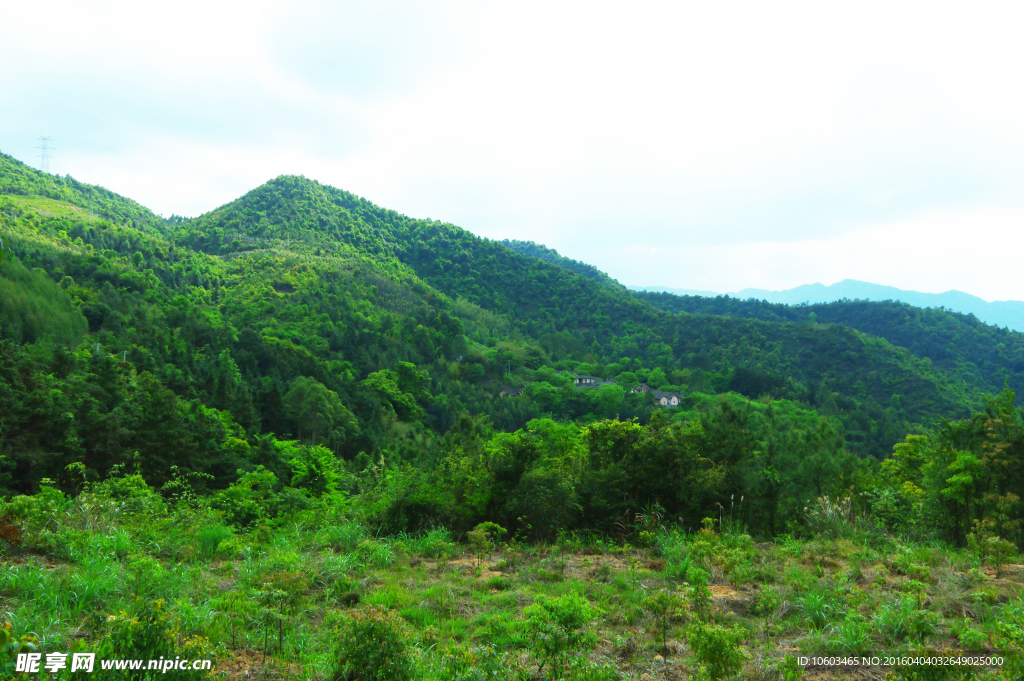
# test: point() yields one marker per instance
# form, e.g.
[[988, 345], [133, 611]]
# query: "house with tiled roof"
[[667, 399]]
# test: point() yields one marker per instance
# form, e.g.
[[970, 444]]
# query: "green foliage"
[[484, 536], [833, 518], [556, 630], [462, 662], [33, 307], [716, 649], [210, 537], [552, 256], [666, 606], [249, 500], [789, 668], [317, 409], [147, 632], [306, 386], [816, 609], [11, 646], [373, 644], [904, 619], [582, 669], [958, 343], [698, 592], [850, 636]]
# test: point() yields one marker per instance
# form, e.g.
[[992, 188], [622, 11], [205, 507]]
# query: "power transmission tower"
[[44, 153]]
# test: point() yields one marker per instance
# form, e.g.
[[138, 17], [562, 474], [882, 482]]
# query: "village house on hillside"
[[509, 392], [667, 399], [586, 381], [642, 388]]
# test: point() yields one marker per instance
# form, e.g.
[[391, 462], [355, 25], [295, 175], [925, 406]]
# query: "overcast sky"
[[704, 145]]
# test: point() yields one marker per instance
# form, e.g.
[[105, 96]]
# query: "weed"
[[903, 620], [603, 572], [679, 570], [210, 537], [833, 518], [627, 647], [582, 669], [970, 637], [461, 662], [852, 636], [816, 609], [498, 583], [789, 668]]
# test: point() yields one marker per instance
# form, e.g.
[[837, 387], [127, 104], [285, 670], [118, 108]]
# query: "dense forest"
[[302, 358], [302, 319]]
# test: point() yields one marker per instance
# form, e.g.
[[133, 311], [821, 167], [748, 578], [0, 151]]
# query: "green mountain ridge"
[[303, 310], [984, 356], [1007, 313], [274, 438]]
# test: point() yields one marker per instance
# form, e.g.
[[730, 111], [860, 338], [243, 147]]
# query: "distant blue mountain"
[[1008, 313]]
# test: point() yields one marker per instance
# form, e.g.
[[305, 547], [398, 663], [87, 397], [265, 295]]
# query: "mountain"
[[1006, 313], [981, 355], [552, 256], [301, 312]]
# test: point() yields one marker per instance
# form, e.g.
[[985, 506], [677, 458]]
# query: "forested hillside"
[[965, 348], [301, 321], [290, 437], [541, 252]]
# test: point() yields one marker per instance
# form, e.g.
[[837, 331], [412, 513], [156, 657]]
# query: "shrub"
[[555, 629], [768, 601], [11, 647], [664, 606], [789, 668], [970, 637], [484, 536], [372, 645], [149, 633], [699, 593], [717, 650], [706, 544]]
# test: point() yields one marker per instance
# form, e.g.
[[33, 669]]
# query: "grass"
[[282, 594]]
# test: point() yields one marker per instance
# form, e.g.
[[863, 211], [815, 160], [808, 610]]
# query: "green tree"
[[316, 409]]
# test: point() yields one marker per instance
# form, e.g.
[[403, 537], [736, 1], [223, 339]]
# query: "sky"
[[713, 146]]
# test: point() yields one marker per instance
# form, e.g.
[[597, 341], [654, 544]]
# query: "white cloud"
[[682, 128]]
